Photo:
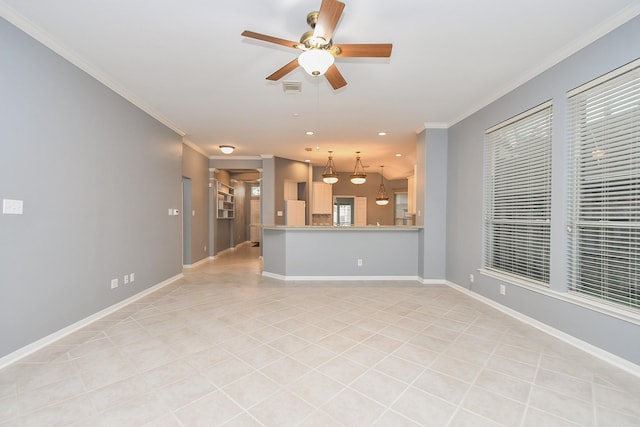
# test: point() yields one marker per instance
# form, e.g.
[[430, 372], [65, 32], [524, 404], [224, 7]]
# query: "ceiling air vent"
[[292, 87]]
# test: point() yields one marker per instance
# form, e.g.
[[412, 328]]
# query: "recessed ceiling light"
[[296, 114], [382, 133], [398, 155], [309, 132]]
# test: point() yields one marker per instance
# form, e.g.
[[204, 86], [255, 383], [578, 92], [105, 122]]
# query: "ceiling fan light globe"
[[316, 62]]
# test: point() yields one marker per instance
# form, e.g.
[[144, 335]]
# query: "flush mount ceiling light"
[[227, 149], [316, 62], [358, 176], [381, 197], [330, 176]]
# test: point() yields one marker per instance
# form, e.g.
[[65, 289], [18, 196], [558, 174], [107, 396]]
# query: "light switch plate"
[[12, 207]]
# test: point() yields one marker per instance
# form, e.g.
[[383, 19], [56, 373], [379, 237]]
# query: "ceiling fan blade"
[[284, 70], [270, 39], [335, 78], [328, 16], [365, 50]]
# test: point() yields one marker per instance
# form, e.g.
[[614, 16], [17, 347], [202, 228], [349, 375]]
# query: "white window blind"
[[517, 201], [604, 204]]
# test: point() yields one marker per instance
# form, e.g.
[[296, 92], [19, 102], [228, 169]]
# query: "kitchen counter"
[[341, 253], [333, 228]]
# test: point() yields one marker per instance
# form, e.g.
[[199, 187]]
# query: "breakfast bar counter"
[[341, 253]]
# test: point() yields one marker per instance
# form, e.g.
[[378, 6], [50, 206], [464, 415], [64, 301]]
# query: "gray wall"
[[465, 188], [434, 203], [97, 176], [196, 167]]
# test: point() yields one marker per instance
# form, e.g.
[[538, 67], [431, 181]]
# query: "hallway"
[[227, 346]]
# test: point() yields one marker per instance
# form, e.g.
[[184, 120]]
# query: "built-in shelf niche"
[[225, 208]]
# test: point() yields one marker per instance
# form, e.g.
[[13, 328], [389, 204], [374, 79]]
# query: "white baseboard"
[[433, 282], [336, 278], [50, 339], [202, 261], [604, 355]]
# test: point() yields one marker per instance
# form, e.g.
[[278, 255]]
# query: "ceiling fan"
[[318, 50]]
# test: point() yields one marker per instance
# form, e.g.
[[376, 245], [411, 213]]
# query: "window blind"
[[604, 191], [518, 195]]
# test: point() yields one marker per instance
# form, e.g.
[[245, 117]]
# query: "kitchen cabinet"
[[322, 198]]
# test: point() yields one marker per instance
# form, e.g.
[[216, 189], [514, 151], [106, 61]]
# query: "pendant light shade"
[[330, 176], [358, 176], [381, 197]]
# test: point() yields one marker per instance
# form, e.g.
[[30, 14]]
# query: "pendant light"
[[330, 176], [381, 197], [358, 176]]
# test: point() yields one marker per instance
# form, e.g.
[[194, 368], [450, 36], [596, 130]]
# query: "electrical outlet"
[[359, 262], [126, 279], [503, 290], [114, 283], [132, 277], [471, 278]]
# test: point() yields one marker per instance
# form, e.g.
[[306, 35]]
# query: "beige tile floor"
[[226, 346]]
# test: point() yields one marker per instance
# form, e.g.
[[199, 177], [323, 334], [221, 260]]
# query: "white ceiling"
[[186, 63]]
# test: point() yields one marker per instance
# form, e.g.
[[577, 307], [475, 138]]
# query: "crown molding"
[[193, 146], [230, 157], [50, 42], [435, 125]]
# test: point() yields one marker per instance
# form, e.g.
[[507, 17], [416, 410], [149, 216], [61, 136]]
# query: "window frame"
[[517, 197], [603, 190]]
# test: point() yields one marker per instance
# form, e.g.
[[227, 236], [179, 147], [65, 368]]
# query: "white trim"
[[46, 39], [336, 278], [597, 32], [604, 355], [604, 78], [197, 264], [51, 338], [435, 125], [433, 282], [584, 302], [520, 116], [230, 157]]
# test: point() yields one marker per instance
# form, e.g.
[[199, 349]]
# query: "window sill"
[[579, 300]]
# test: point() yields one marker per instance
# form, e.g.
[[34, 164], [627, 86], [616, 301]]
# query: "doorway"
[[343, 211]]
